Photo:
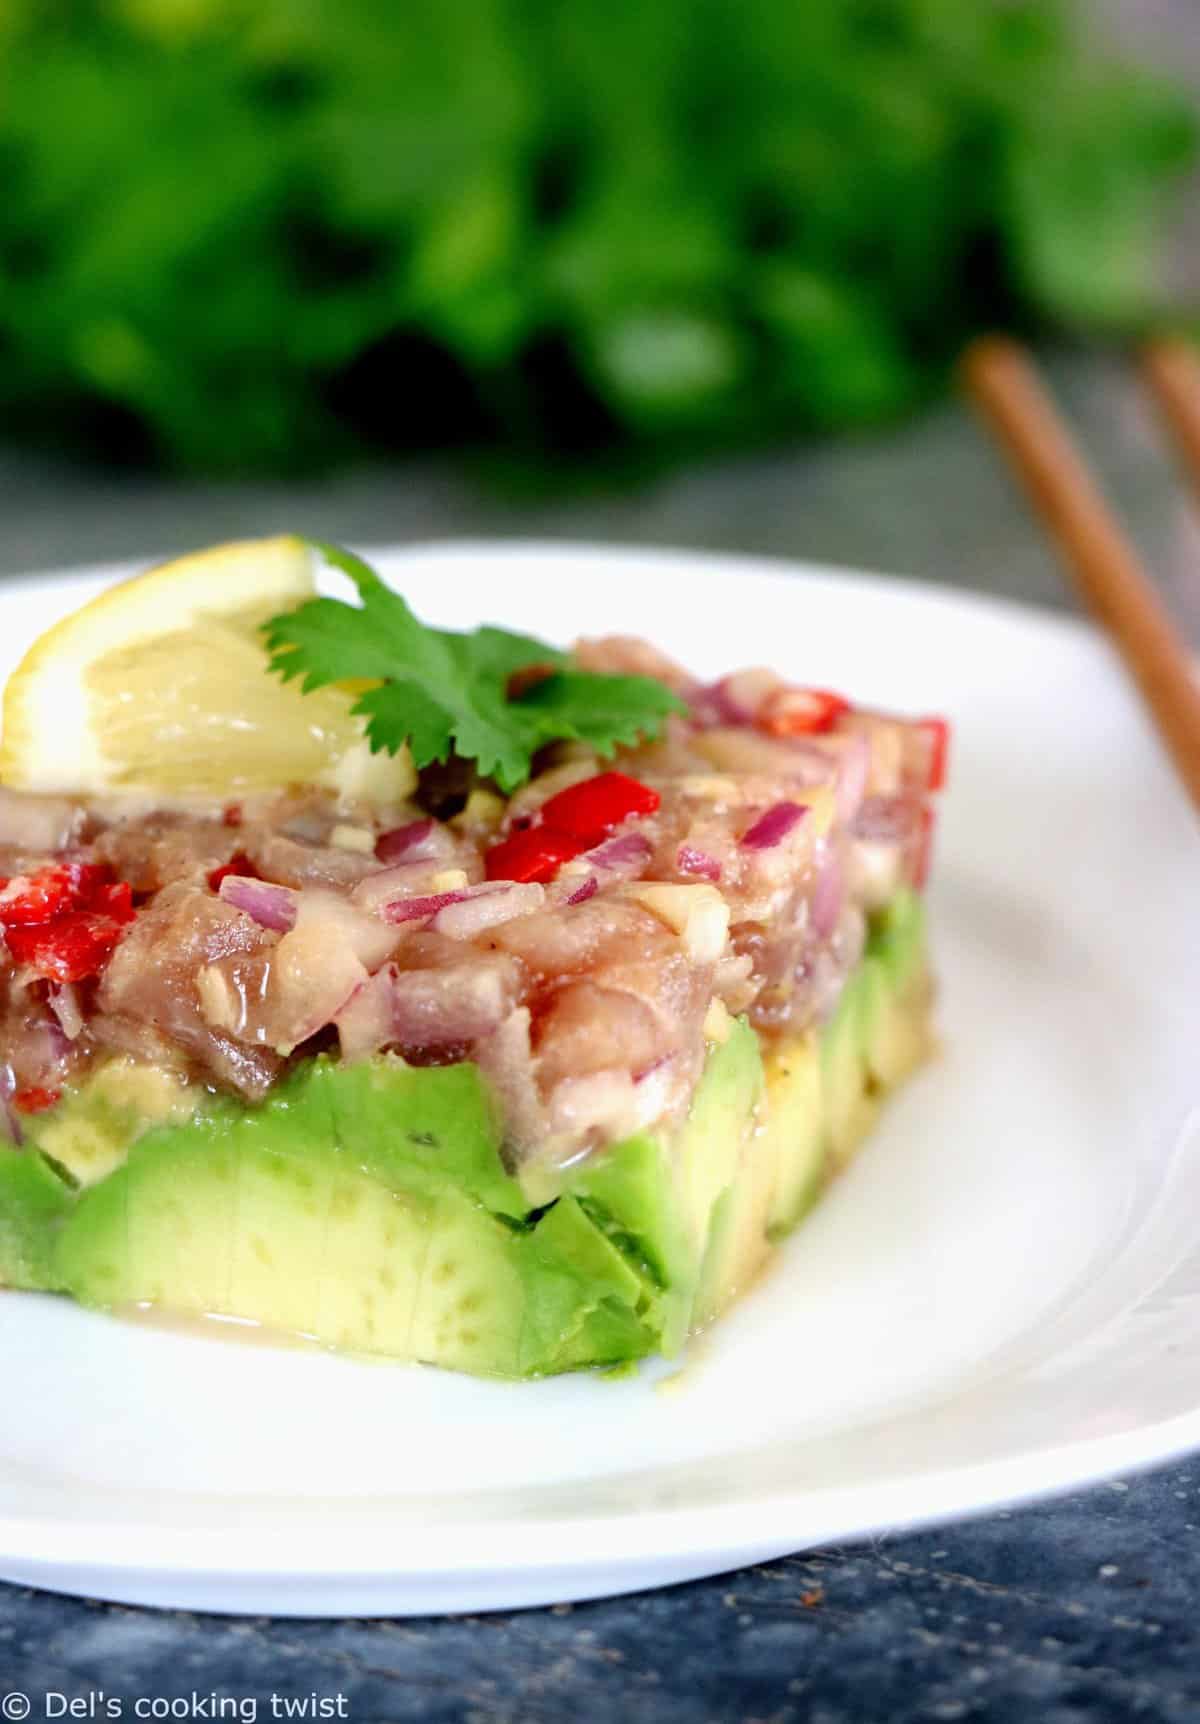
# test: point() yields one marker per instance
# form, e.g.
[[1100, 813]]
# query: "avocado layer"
[[369, 1206]]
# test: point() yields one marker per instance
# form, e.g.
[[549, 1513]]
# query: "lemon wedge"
[[160, 686]]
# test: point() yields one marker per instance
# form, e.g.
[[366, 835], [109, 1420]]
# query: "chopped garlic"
[[217, 1000], [353, 838], [698, 914], [712, 787], [886, 775], [822, 805], [718, 1024], [482, 812], [449, 880]]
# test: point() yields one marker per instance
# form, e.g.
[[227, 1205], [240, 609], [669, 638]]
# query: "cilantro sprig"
[[445, 693]]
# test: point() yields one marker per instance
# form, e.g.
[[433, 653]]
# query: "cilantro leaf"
[[444, 693], [602, 710]]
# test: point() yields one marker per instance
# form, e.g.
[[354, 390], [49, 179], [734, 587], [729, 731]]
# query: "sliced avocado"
[[878, 1032], [897, 937], [729, 1176], [849, 1110], [438, 1124], [309, 1215], [895, 1022], [675, 1216], [794, 1123], [33, 1199], [370, 1206], [722, 1115], [896, 988], [738, 1242], [90, 1130], [362, 1281], [585, 1302]]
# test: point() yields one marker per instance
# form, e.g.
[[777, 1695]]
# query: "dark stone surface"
[[1084, 1610]]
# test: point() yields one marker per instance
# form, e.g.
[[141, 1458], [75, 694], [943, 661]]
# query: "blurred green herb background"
[[268, 234]]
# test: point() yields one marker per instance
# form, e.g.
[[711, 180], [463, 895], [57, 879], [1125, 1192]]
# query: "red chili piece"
[[923, 854], [239, 864], [65, 920], [114, 899], [535, 854], [68, 949], [938, 732], [34, 1100], [90, 881], [592, 809], [802, 712], [569, 823], [28, 898]]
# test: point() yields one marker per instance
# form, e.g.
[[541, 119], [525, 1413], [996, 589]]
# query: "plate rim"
[[774, 568], [484, 1546], [709, 1534]]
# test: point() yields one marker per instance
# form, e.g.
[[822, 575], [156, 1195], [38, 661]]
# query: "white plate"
[[1000, 1299]]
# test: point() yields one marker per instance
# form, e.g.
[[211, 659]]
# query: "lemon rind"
[[49, 741]]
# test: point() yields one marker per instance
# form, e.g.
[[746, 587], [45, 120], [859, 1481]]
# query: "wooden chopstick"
[[1106, 569], [1172, 368]]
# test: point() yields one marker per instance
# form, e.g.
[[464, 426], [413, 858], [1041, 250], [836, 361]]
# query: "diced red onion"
[[610, 1103], [704, 708], [735, 699], [771, 828], [878, 868], [885, 819], [271, 906], [418, 841], [426, 1008], [419, 909], [655, 1087], [506, 1060], [811, 760], [433, 1008], [825, 905], [484, 907], [627, 854], [689, 860], [825, 984], [388, 885], [732, 710], [10, 1124], [850, 937], [64, 1003], [54, 1046], [285, 993], [601, 1102], [853, 771], [623, 858]]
